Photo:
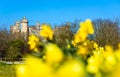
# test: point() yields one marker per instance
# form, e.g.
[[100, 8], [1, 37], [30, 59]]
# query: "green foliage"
[[12, 45], [7, 70], [15, 49], [19, 44]]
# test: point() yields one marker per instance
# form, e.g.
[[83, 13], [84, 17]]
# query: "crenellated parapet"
[[24, 29]]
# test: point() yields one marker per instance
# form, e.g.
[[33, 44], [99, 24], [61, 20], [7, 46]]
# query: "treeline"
[[12, 46], [107, 32]]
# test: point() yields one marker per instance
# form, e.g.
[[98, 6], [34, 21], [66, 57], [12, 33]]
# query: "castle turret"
[[17, 24], [15, 28], [24, 27], [38, 26]]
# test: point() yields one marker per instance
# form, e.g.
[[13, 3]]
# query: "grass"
[[7, 70]]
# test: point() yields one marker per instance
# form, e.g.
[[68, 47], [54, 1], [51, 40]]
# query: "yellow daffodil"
[[46, 32], [108, 48], [94, 62], [53, 54], [33, 42], [117, 54], [73, 43], [33, 67], [92, 68], [82, 33], [80, 37], [68, 46], [95, 45], [82, 51], [109, 62], [72, 68], [87, 26], [21, 71], [115, 72], [85, 43]]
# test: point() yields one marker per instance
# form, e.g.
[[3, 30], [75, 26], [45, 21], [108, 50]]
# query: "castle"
[[23, 28]]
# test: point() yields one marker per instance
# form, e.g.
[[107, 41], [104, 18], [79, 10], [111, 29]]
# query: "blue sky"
[[56, 11]]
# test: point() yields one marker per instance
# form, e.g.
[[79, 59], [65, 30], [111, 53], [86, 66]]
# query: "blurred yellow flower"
[[73, 43], [109, 61], [85, 43], [95, 45], [115, 72], [46, 31], [94, 62], [72, 68], [68, 46], [33, 67], [21, 71], [117, 54], [53, 53], [91, 68], [33, 42], [80, 37], [108, 48], [82, 51], [109, 55]]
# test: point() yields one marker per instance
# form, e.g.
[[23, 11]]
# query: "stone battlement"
[[23, 28]]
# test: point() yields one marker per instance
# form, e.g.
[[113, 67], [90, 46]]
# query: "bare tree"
[[106, 32], [62, 35]]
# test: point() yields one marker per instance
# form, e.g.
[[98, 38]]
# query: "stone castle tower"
[[24, 29], [15, 28]]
